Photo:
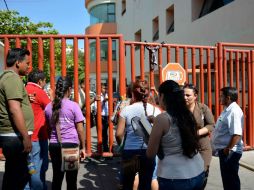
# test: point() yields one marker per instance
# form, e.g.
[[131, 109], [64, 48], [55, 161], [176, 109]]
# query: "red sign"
[[174, 71]]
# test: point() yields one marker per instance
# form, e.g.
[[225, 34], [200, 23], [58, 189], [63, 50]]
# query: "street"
[[100, 174]]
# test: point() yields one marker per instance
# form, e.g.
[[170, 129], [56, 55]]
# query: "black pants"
[[133, 162], [16, 173], [105, 133], [58, 175], [229, 167]]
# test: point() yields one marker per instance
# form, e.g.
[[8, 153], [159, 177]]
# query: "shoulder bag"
[[70, 156]]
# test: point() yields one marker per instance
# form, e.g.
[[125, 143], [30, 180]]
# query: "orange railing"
[[208, 67]]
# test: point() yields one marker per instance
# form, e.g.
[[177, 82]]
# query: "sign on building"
[[174, 71]]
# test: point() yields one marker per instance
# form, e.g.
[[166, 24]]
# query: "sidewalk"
[[247, 160], [101, 174], [94, 174]]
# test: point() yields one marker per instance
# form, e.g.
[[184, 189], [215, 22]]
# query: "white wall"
[[231, 23]]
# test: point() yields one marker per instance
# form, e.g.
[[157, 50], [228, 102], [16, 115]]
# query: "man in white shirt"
[[82, 95], [104, 116], [227, 138]]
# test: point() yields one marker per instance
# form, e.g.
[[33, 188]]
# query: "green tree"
[[70, 63], [12, 23]]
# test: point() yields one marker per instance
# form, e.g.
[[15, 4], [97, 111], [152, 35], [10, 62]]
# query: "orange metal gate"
[[236, 69], [208, 67]]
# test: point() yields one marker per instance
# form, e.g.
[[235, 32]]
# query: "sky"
[[67, 16]]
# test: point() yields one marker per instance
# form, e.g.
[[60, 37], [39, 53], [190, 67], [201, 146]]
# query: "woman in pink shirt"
[[67, 114]]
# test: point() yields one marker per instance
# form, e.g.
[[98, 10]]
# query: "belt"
[[10, 138]]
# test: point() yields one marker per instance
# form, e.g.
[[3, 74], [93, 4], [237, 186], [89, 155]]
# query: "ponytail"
[[62, 86], [141, 92]]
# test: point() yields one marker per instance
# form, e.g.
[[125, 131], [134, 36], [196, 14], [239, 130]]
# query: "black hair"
[[191, 86], [129, 90], [140, 91], [230, 92], [82, 81], [176, 106], [16, 54], [104, 84], [62, 86], [36, 75]]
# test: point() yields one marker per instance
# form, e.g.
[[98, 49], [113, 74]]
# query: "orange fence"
[[208, 67]]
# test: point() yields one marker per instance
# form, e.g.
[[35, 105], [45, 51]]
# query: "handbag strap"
[[58, 133]]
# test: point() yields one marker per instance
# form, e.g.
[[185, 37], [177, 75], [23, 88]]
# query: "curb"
[[247, 166]]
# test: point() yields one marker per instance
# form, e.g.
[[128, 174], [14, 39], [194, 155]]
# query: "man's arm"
[[234, 140], [235, 128], [19, 121]]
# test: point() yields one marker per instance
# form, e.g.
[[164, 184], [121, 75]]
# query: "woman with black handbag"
[[133, 155], [65, 120]]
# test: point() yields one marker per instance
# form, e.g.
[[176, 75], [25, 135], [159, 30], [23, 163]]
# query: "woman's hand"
[[82, 154]]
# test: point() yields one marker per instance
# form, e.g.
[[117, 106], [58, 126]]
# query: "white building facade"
[[196, 22]]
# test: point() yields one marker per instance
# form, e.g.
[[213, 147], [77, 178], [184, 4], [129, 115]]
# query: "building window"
[[156, 28], [111, 12], [123, 6], [170, 26], [104, 50], [138, 38], [102, 13], [201, 8]]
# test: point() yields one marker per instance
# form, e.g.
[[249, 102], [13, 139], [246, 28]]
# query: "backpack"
[[141, 127]]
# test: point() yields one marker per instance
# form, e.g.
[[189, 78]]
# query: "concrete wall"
[[230, 23]]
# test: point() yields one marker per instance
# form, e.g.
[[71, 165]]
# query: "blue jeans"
[[194, 183], [41, 161], [134, 161], [229, 167]]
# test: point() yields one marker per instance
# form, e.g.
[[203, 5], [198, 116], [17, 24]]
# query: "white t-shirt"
[[82, 98], [229, 123], [134, 142], [104, 105]]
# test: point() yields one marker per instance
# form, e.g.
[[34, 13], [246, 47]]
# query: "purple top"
[[70, 114]]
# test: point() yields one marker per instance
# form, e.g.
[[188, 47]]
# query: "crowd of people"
[[183, 137]]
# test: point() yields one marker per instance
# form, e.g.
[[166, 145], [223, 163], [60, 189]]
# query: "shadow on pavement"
[[102, 174]]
